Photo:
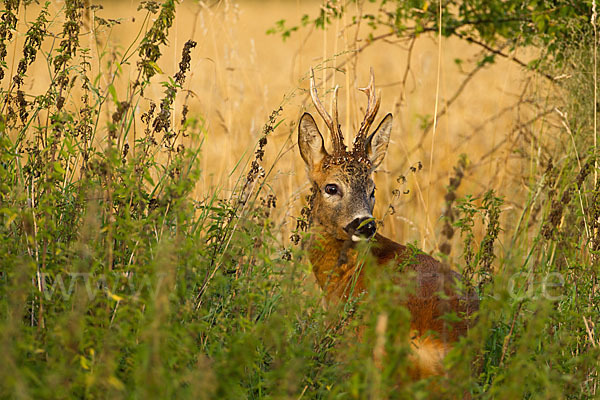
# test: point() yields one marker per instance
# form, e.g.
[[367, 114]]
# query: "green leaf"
[[58, 168], [155, 67], [113, 93]]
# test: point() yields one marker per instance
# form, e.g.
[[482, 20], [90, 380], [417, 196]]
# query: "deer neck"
[[334, 265]]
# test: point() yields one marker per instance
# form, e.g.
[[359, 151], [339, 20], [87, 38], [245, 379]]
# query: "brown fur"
[[432, 336], [342, 209]]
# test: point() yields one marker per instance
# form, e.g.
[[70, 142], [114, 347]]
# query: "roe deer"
[[342, 207]]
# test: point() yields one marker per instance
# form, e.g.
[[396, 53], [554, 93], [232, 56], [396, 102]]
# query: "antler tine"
[[336, 124], [315, 98], [373, 102], [332, 123]]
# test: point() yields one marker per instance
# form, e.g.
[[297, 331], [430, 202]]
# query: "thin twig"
[[507, 56], [593, 21], [407, 69], [444, 110], [510, 332], [435, 117], [589, 331]]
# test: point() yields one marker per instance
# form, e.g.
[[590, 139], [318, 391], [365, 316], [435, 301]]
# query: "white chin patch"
[[356, 238]]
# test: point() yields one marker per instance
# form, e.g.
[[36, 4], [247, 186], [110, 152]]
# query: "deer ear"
[[310, 141], [377, 143]]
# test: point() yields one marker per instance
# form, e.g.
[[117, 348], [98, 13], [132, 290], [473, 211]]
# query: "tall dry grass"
[[239, 74]]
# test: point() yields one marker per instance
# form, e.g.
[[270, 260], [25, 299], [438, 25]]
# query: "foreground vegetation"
[[115, 282]]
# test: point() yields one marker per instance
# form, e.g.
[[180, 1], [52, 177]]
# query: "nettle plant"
[[84, 200]]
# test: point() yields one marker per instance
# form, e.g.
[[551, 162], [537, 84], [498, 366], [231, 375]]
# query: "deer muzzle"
[[361, 228]]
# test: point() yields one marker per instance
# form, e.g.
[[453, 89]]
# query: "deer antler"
[[332, 123], [372, 107]]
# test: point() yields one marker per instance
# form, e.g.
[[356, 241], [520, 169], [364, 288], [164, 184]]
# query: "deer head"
[[343, 184]]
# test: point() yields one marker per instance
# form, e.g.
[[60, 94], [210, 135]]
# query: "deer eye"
[[332, 189], [373, 193]]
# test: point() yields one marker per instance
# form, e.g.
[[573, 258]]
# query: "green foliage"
[[494, 25], [115, 283], [281, 29], [149, 49], [480, 262]]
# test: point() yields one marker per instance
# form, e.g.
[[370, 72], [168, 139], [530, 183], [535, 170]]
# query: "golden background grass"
[[239, 75]]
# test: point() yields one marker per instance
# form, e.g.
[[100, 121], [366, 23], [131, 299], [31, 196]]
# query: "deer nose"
[[363, 226]]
